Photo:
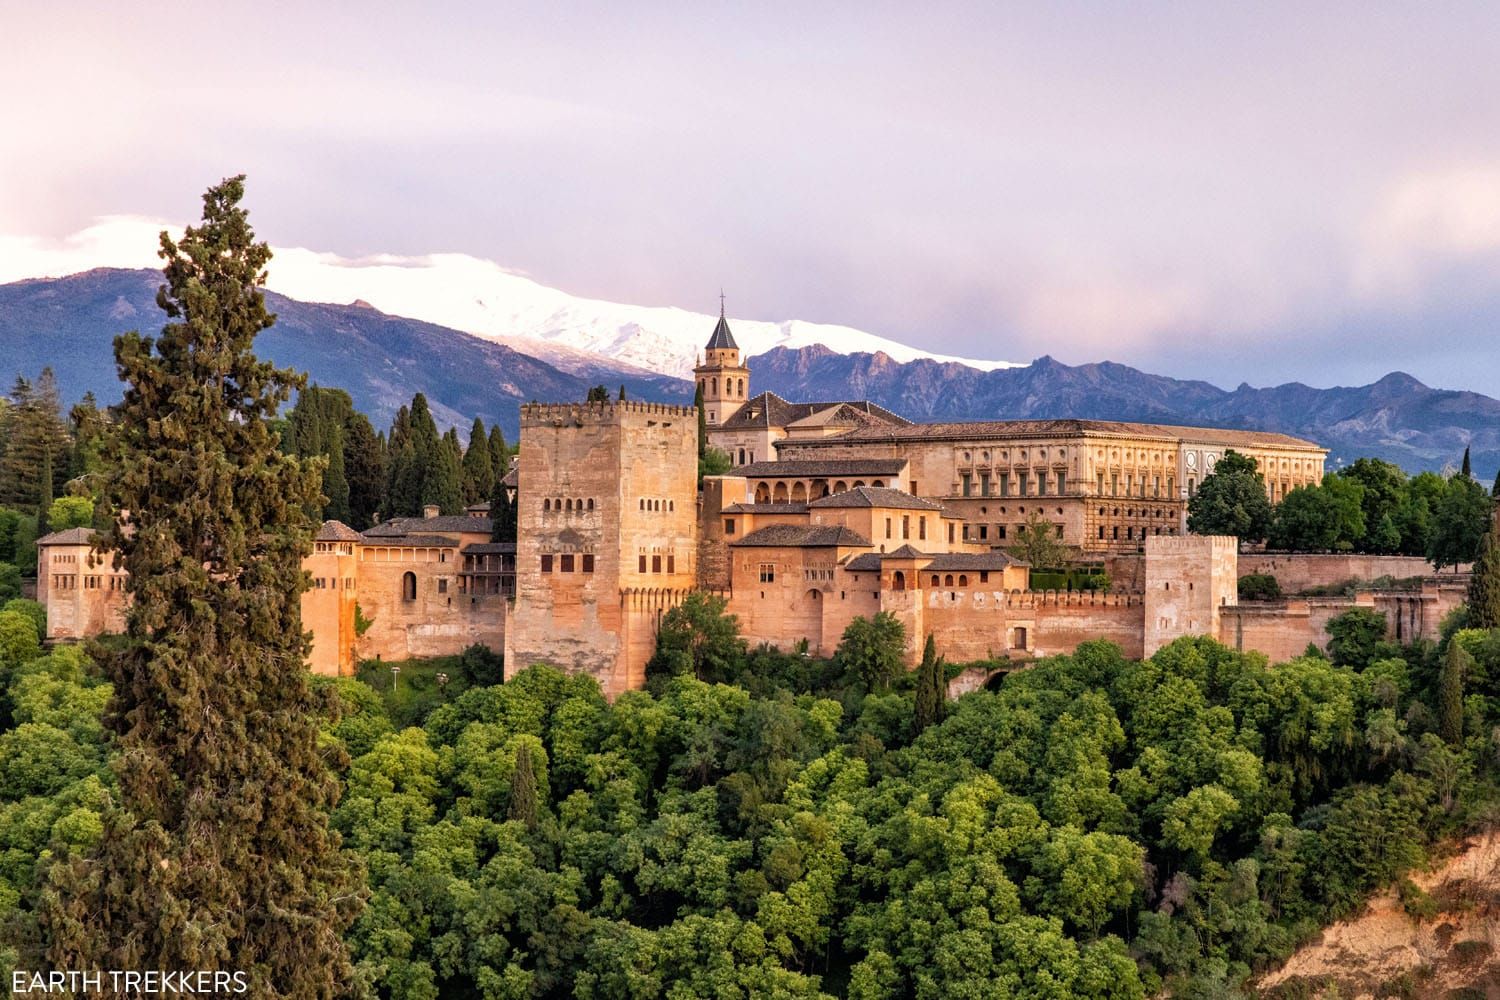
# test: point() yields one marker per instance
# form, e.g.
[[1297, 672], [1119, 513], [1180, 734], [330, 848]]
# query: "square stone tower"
[[1189, 578], [606, 535]]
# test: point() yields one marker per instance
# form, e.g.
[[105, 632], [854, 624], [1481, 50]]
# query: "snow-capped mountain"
[[476, 296]]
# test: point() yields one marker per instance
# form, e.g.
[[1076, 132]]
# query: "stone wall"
[[1299, 571], [1189, 580], [1284, 629], [436, 621]]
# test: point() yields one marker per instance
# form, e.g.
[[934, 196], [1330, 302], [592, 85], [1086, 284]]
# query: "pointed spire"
[[722, 340]]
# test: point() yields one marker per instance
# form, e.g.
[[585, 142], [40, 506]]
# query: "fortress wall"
[[1301, 571], [440, 621]]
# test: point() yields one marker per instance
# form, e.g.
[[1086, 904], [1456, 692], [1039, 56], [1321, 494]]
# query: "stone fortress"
[[830, 510]]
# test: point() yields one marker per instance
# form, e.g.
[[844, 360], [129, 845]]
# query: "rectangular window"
[[546, 564], [888, 527], [950, 533], [1041, 484], [984, 532], [905, 526], [1114, 484], [1100, 486], [922, 527], [567, 562], [984, 484], [984, 576], [656, 564], [443, 586], [671, 564], [588, 562], [1005, 484], [641, 568], [913, 490], [1062, 481], [1156, 486], [1020, 484], [999, 531], [728, 525], [767, 572], [967, 485]]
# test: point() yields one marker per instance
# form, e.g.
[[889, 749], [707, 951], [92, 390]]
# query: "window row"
[[1138, 487], [567, 505], [906, 527], [1133, 512], [1134, 533], [655, 563], [567, 561], [332, 583], [658, 504], [1026, 484]]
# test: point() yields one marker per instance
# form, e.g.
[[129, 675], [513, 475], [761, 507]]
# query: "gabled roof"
[[994, 559], [769, 410], [68, 536], [722, 340], [398, 526], [906, 552], [814, 468], [337, 531], [806, 536], [865, 562], [766, 508], [875, 496]]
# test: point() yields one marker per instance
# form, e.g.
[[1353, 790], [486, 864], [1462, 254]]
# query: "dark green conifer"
[[931, 687], [364, 467], [44, 493], [1484, 585], [219, 855], [1456, 666], [499, 452], [479, 471], [622, 392], [1467, 469], [523, 805], [702, 423], [502, 514]]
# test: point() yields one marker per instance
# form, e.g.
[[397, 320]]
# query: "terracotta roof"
[[975, 430], [337, 531], [803, 468], [68, 536], [397, 526], [801, 536], [770, 410], [906, 552], [865, 562], [488, 548], [875, 496], [994, 559], [766, 508]]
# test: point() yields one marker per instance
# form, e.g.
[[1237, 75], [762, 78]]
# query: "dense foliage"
[[1231, 501]]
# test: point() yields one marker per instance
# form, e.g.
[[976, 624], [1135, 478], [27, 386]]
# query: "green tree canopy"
[[1462, 516], [1231, 500]]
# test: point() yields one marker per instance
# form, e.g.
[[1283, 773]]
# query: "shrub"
[[1259, 587]]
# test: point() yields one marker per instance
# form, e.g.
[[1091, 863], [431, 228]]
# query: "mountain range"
[[383, 359]]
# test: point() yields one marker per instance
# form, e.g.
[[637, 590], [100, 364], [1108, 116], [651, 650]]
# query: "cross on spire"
[[721, 302]]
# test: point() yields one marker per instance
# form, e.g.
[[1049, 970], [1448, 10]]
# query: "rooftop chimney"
[[431, 510]]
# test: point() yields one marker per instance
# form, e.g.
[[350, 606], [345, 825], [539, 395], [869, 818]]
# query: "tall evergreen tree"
[[443, 486], [598, 394], [1484, 585], [702, 423], [622, 392], [1466, 470], [364, 467], [502, 514], [499, 452], [44, 497], [479, 471], [523, 804], [219, 855], [1495, 489], [1456, 666], [931, 694]]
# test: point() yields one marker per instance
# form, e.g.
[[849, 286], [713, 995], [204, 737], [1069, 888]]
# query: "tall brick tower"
[[724, 380], [606, 535]]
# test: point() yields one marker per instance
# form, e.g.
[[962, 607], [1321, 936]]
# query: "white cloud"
[[1428, 222]]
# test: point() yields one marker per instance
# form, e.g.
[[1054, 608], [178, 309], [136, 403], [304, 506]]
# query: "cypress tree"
[[479, 471], [1495, 490], [427, 453], [1466, 468], [1484, 585], [502, 514], [523, 805], [219, 854], [364, 466], [44, 494], [702, 423], [931, 696], [444, 483], [1456, 666], [499, 452], [622, 392], [405, 499]]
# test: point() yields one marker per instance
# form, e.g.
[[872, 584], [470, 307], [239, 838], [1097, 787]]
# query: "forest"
[[759, 823]]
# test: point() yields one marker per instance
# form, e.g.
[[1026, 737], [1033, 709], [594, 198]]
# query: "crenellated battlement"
[[607, 413]]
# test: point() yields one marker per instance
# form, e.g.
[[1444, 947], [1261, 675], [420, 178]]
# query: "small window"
[[409, 586], [442, 586], [546, 563], [767, 572], [656, 564], [963, 580], [641, 565], [588, 562], [728, 525], [671, 564], [984, 576], [567, 562]]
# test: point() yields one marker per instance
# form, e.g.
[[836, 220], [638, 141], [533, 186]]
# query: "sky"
[[1241, 193]]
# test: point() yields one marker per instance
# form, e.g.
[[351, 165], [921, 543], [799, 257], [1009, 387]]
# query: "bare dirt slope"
[[1451, 950]]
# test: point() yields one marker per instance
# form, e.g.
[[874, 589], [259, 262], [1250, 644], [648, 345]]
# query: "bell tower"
[[723, 380]]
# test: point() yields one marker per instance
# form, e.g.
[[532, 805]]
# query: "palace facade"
[[831, 510]]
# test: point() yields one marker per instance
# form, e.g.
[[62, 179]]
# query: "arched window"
[[716, 385], [408, 586], [799, 493], [742, 456], [742, 388], [934, 579], [780, 495], [858, 483], [762, 495], [948, 580], [546, 504], [898, 580], [568, 504], [840, 486], [591, 503], [963, 580]]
